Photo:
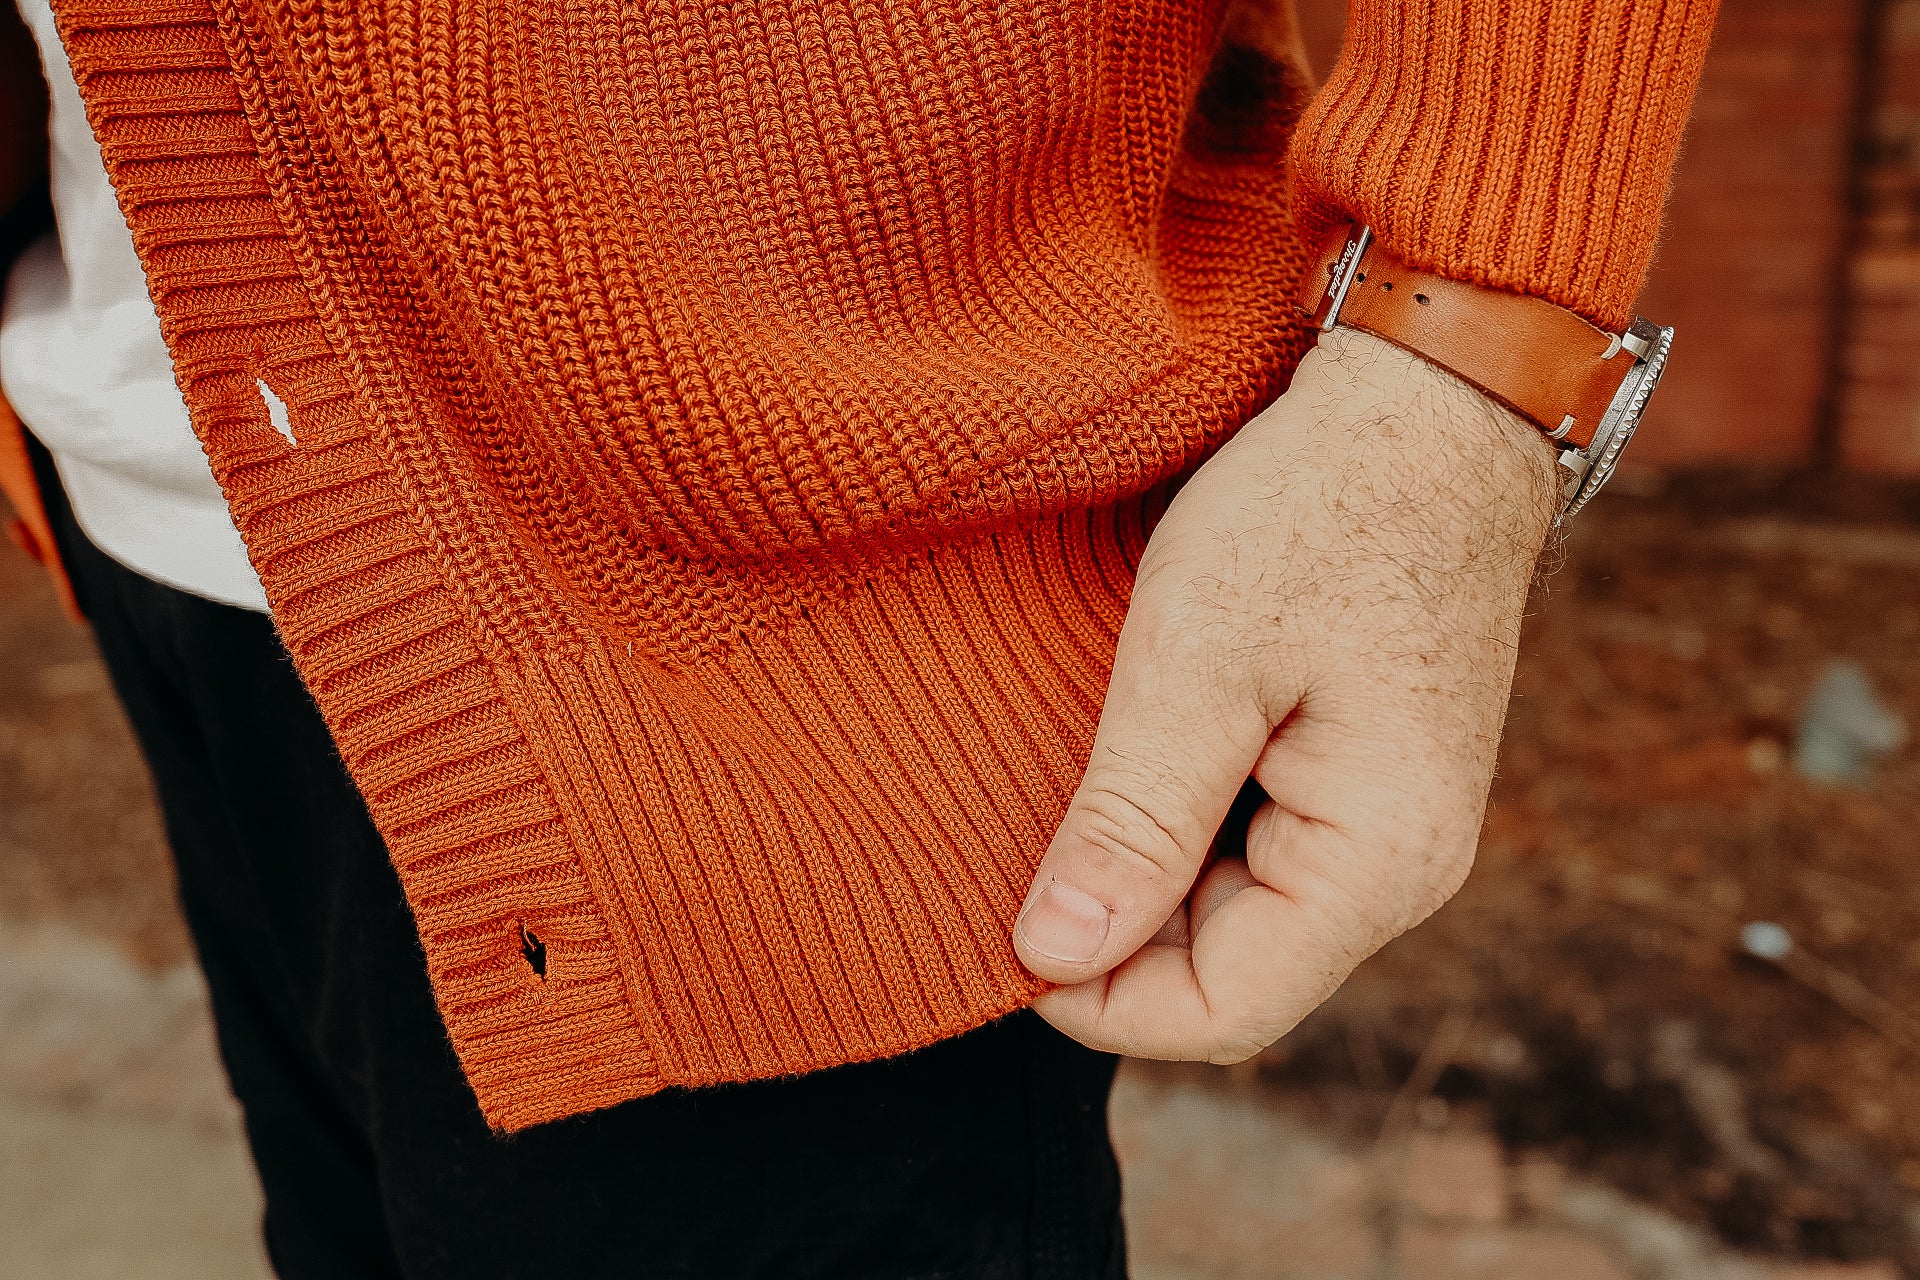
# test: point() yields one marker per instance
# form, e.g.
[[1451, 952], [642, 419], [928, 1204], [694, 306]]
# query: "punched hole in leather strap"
[[1540, 360]]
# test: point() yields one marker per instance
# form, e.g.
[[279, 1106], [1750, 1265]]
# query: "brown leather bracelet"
[[1582, 386]]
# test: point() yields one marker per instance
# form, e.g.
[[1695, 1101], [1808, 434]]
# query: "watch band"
[[1541, 361], [1582, 386]]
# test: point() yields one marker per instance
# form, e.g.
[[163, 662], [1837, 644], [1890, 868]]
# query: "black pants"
[[984, 1156]]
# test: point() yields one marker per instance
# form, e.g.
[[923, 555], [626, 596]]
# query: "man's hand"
[[1330, 608]]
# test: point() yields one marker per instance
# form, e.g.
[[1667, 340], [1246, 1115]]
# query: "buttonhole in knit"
[[535, 952], [277, 412], [1387, 286], [1422, 299]]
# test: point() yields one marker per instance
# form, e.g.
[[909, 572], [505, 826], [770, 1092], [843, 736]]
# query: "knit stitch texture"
[[724, 431]]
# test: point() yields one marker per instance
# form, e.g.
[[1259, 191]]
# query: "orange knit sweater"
[[724, 430]]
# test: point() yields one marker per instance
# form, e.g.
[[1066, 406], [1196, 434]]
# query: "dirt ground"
[[1587, 991]]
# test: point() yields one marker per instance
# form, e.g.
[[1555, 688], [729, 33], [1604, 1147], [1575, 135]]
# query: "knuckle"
[[1239, 1041], [1204, 648], [1124, 835], [1443, 862], [1238, 1038], [1454, 868], [1233, 1054]]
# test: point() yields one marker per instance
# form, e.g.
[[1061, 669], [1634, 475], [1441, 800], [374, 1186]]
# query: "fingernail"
[[1064, 923]]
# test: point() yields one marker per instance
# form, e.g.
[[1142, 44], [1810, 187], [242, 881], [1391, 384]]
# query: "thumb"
[[1173, 748]]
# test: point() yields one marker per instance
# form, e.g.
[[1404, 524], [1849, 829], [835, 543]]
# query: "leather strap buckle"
[[1345, 268]]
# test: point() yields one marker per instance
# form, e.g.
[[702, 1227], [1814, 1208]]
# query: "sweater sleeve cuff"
[[1524, 145]]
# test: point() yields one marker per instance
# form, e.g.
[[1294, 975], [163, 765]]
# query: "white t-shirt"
[[82, 363]]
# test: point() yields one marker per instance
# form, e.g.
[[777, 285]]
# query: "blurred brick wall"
[[1754, 249], [1752, 256], [1880, 391]]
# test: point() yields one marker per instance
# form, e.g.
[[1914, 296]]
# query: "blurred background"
[[1671, 1028]]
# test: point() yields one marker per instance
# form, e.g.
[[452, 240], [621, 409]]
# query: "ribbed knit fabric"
[[723, 434], [1524, 145]]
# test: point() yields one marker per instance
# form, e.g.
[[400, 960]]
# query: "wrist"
[[1472, 449], [1585, 387]]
